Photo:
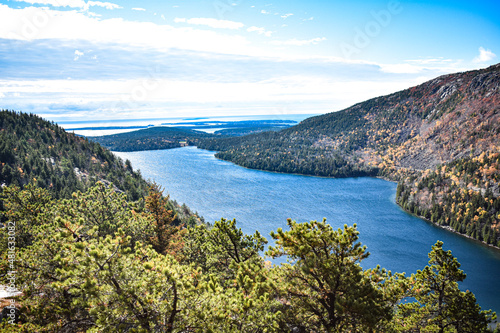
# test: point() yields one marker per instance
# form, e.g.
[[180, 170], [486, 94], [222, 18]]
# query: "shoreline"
[[448, 228], [386, 179], [289, 173]]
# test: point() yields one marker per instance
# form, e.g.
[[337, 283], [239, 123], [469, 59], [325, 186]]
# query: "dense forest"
[[461, 195], [275, 152], [149, 139], [33, 149], [98, 263]]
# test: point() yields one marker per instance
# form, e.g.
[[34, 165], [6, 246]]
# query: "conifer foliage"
[[327, 289], [33, 148], [96, 262], [440, 305], [167, 236]]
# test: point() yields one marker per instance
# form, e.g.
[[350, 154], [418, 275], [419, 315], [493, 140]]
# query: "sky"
[[76, 60]]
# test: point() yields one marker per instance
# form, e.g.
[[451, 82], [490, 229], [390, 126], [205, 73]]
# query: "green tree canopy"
[[440, 305], [324, 283]]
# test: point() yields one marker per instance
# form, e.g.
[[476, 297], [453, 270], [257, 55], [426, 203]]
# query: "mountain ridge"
[[409, 136]]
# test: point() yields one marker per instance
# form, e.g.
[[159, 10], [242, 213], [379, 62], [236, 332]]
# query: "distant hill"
[[440, 140], [149, 139], [170, 136]]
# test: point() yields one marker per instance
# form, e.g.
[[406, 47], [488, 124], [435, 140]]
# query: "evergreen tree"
[[326, 288], [167, 237], [440, 305]]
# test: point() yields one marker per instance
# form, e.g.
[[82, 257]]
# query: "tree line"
[[459, 195]]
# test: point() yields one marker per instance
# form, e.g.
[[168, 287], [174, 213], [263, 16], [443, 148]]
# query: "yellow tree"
[[167, 237]]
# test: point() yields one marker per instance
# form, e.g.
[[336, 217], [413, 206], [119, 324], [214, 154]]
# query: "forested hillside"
[[97, 263], [35, 150], [32, 148], [170, 136], [448, 126], [149, 139]]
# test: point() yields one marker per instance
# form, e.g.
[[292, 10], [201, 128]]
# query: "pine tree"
[[167, 237], [440, 305], [326, 288]]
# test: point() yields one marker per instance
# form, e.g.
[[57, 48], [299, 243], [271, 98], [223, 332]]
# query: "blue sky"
[[81, 60]]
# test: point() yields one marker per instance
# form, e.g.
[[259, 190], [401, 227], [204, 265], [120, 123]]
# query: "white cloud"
[[265, 80], [107, 5], [263, 11], [33, 23], [27, 24], [484, 55], [286, 15], [428, 67], [401, 68], [73, 3], [260, 31], [78, 54], [133, 98], [299, 42], [139, 9], [57, 3], [92, 14], [283, 89], [213, 23], [430, 61]]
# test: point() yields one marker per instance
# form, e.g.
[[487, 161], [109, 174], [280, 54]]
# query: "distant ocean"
[[107, 127]]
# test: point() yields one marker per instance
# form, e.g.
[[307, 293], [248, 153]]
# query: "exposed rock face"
[[442, 120]]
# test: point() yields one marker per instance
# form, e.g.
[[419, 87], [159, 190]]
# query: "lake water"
[[263, 201]]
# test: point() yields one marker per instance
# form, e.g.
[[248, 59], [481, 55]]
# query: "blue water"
[[95, 127], [263, 201]]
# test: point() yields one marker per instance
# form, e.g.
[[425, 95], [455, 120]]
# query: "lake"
[[261, 200]]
